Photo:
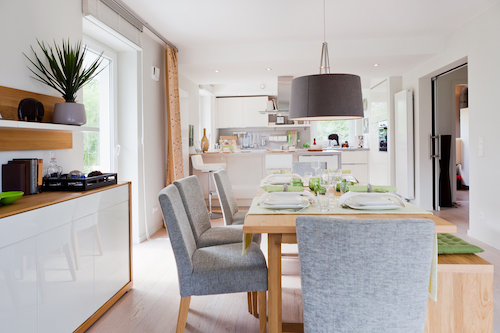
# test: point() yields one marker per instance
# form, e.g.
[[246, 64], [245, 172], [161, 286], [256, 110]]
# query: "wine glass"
[[316, 165]]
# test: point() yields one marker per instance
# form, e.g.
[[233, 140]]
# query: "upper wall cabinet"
[[251, 115], [242, 112]]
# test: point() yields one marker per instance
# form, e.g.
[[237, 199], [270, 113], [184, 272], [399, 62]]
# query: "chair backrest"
[[364, 275], [194, 203], [302, 167], [197, 161], [179, 231], [226, 196]]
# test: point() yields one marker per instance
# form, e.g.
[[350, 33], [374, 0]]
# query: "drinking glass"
[[316, 165], [323, 196], [307, 176]]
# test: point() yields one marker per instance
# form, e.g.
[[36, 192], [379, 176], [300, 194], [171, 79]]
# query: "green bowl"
[[6, 198]]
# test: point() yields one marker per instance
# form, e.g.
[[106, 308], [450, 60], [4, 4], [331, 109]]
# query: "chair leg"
[[249, 297], [262, 311], [183, 313], [254, 301]]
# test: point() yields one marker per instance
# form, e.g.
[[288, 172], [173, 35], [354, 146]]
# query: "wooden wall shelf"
[[23, 135], [17, 139]]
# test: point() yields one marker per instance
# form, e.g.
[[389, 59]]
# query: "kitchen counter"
[[303, 152]]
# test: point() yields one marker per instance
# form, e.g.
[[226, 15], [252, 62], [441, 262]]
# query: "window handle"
[[117, 150]]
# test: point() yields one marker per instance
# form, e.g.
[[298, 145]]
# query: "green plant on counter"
[[65, 72], [306, 145]]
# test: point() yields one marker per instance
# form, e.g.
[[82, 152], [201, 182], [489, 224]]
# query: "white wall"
[[477, 43], [22, 22], [154, 108], [190, 108]]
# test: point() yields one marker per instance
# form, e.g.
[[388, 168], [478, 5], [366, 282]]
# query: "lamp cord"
[[324, 49]]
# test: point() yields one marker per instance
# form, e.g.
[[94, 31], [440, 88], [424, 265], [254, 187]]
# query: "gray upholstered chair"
[[364, 275], [210, 270], [194, 203], [232, 216], [301, 168]]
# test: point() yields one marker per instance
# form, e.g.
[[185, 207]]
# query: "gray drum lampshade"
[[326, 97]]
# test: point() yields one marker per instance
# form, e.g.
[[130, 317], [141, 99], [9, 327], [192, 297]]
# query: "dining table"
[[280, 228]]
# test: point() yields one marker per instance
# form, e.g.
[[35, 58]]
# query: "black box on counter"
[[13, 177], [65, 183]]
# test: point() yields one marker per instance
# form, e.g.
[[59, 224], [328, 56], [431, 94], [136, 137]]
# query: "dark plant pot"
[[69, 114]]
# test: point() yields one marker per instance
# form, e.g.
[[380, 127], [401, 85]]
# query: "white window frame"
[[109, 131]]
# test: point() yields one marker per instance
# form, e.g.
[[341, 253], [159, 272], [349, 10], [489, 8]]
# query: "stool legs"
[[210, 193]]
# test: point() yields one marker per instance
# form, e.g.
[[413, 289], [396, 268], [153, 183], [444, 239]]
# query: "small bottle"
[[314, 143]]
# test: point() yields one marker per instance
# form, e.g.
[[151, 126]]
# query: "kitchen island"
[[248, 167]]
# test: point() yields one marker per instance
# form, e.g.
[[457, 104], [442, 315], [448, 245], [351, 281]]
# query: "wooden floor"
[[152, 305]]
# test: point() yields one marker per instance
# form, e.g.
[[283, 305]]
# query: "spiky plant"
[[65, 72]]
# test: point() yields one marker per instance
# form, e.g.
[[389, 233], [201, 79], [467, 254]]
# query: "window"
[[325, 128], [99, 106]]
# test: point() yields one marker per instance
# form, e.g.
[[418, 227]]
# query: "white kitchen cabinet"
[[241, 112], [251, 115], [230, 112], [65, 262], [357, 162]]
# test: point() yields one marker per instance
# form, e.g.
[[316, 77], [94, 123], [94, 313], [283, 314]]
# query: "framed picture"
[[280, 120], [366, 125]]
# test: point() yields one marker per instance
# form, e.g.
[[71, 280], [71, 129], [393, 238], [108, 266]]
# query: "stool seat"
[[209, 167], [198, 164]]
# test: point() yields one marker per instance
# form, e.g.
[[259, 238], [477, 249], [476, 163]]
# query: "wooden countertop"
[[34, 201]]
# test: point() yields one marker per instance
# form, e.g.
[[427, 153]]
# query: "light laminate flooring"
[[152, 305]]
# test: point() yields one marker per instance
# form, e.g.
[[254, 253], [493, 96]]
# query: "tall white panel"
[[405, 166]]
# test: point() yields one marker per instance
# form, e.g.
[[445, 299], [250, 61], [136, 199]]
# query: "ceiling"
[[241, 39]]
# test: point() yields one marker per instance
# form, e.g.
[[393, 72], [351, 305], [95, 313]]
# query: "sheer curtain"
[[174, 153]]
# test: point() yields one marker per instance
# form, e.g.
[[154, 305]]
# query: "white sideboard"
[[65, 258]]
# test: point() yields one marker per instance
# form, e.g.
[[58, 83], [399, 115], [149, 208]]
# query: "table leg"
[[274, 283]]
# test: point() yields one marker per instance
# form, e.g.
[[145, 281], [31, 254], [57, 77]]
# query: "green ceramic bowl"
[[6, 198]]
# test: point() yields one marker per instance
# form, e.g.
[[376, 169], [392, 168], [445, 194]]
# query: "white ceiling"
[[242, 39]]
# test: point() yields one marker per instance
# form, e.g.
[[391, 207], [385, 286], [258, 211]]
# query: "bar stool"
[[198, 164]]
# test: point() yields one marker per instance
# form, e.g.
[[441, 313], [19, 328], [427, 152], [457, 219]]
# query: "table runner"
[[313, 210]]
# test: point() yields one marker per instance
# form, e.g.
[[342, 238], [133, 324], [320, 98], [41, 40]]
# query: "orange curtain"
[[175, 168]]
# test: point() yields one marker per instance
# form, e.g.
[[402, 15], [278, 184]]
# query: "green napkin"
[[295, 189], [375, 188], [273, 188]]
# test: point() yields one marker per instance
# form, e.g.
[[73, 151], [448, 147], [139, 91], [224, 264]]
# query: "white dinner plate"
[[280, 179], [381, 207], [280, 199], [303, 204]]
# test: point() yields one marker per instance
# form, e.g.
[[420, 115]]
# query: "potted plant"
[[66, 74]]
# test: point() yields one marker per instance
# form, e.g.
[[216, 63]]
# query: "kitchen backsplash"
[[267, 138]]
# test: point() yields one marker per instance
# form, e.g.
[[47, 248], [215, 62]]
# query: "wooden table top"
[[285, 223], [47, 198]]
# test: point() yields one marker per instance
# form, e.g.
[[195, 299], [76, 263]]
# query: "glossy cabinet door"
[[112, 266], [18, 287], [229, 112], [251, 115]]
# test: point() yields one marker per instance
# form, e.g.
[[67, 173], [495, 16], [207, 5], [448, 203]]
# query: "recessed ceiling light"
[[376, 65], [269, 69], [216, 71]]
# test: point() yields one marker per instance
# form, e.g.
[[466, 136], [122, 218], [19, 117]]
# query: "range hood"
[[284, 93]]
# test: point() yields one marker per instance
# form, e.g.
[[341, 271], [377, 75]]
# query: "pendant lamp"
[[326, 96]]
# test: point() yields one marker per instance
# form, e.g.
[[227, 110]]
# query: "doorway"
[[449, 138]]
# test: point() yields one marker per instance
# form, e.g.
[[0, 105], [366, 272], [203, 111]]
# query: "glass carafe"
[[54, 170]]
